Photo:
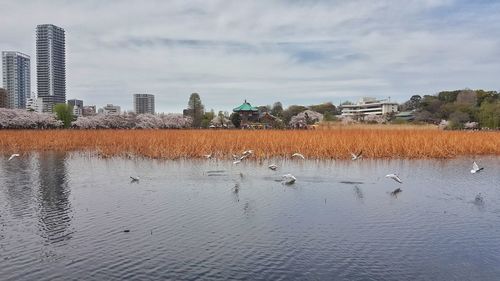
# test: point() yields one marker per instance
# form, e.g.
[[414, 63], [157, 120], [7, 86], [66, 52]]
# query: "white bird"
[[394, 177], [13, 156], [273, 167], [288, 179], [298, 155], [247, 152], [356, 156], [134, 179], [475, 168], [237, 162], [208, 156]]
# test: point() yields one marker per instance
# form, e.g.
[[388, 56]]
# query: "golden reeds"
[[376, 142]]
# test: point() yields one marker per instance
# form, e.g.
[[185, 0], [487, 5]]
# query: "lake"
[[78, 217]]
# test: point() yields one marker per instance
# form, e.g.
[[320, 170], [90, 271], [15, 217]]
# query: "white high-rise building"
[[16, 78], [50, 65]]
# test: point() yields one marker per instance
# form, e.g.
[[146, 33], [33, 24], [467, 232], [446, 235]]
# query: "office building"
[[77, 106], [369, 106], [89, 110], [144, 103], [16, 78], [110, 109], [3, 98], [34, 104], [50, 65]]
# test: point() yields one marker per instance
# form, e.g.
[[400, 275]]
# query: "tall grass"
[[376, 142]]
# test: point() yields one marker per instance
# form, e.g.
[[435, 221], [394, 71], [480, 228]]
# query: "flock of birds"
[[289, 179]]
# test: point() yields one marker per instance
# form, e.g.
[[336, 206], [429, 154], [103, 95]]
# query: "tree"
[[489, 115], [196, 109], [277, 109], [64, 112], [235, 119], [324, 108], [291, 111], [264, 108]]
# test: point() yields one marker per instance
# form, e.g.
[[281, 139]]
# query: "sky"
[[296, 52]]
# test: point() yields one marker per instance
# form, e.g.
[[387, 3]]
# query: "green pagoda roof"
[[245, 107]]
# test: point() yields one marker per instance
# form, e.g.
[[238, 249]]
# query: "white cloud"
[[265, 51]]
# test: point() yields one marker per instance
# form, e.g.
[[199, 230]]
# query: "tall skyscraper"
[[50, 65], [16, 78], [3, 98], [144, 103]]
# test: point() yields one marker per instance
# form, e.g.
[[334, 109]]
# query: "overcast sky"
[[296, 52]]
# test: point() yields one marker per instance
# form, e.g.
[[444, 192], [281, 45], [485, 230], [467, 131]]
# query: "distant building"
[[369, 106], [34, 104], [50, 65], [77, 106], [110, 109], [144, 103], [16, 78], [3, 98], [89, 110], [247, 112]]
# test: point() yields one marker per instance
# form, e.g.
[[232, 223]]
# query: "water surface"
[[63, 217]]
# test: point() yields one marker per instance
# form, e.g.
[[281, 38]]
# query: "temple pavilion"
[[247, 112]]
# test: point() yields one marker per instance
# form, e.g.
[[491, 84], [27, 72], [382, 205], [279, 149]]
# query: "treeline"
[[203, 119], [22, 119], [457, 107]]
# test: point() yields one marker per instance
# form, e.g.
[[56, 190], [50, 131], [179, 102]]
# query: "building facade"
[[3, 98], [16, 78], [34, 104], [77, 106], [369, 106], [51, 65], [144, 103], [110, 109], [89, 110]]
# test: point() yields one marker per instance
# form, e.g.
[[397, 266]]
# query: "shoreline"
[[336, 143]]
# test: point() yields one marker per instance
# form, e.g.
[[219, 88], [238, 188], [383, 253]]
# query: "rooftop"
[[246, 106]]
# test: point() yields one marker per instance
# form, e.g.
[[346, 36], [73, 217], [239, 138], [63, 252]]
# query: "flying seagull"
[[298, 155], [247, 152], [273, 167], [288, 179], [394, 177], [475, 168], [13, 156], [356, 156], [134, 179]]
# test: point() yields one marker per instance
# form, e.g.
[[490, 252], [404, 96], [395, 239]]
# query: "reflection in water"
[[358, 192], [53, 194], [18, 186]]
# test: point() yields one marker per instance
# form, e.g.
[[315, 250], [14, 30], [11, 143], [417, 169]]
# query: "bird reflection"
[[53, 196], [19, 187], [359, 193]]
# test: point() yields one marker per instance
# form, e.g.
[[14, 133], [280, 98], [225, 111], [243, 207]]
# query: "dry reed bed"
[[320, 144]]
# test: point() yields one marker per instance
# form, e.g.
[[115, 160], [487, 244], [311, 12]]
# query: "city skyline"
[[289, 51]]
